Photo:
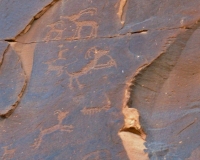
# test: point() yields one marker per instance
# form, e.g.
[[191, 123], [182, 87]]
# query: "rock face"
[[99, 79]]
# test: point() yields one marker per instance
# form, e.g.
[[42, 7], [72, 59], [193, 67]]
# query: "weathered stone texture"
[[99, 79]]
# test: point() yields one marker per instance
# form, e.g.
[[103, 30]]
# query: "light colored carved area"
[[98, 155], [8, 153], [94, 110], [59, 127], [26, 54], [120, 12], [92, 65], [80, 24]]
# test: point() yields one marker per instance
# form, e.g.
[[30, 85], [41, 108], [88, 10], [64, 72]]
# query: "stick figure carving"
[[80, 24], [67, 128], [60, 56], [92, 65]]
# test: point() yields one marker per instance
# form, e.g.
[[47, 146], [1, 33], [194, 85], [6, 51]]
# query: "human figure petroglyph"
[[61, 51], [80, 24], [56, 30], [8, 153], [93, 110], [67, 128], [92, 65]]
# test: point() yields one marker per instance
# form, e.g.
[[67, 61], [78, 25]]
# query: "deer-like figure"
[[92, 65], [80, 24], [61, 116]]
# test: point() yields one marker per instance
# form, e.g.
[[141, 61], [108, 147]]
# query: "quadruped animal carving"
[[66, 128], [56, 30], [80, 24], [92, 65]]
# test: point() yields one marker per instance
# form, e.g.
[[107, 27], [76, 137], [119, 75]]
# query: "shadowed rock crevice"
[[13, 82], [148, 82]]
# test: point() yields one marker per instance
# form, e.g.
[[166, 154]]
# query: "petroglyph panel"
[[55, 30], [93, 56], [78, 59]]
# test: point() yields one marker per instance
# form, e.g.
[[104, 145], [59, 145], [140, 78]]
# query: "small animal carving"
[[61, 116]]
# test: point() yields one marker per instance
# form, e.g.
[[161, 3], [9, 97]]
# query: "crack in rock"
[[37, 16], [13, 80]]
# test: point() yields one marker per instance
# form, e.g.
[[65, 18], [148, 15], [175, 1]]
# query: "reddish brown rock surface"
[[99, 80]]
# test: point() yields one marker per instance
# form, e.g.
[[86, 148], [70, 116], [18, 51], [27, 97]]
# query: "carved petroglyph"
[[80, 24], [52, 64], [8, 153], [94, 110], [98, 155], [61, 51], [93, 55], [120, 12], [92, 65], [52, 67], [56, 30], [59, 127]]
